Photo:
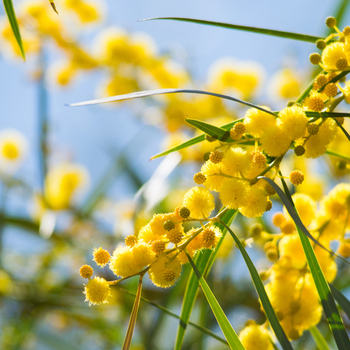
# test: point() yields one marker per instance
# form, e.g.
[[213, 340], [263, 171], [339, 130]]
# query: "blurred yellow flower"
[[13, 148], [63, 182]]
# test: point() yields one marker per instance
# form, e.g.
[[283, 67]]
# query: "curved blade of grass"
[[148, 93], [288, 203], [133, 316], [209, 129], [170, 313], [331, 153], [311, 114], [203, 261], [320, 341], [193, 141], [265, 301], [343, 130], [271, 32], [332, 314], [229, 333], [10, 12], [341, 300]]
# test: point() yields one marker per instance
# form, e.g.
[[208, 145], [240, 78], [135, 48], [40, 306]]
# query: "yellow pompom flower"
[[255, 337], [209, 237], [293, 121], [236, 161], [331, 54], [161, 271], [256, 203], [86, 271], [212, 182], [127, 261], [336, 203], [199, 201], [317, 144], [256, 121], [233, 193], [148, 235], [87, 12], [295, 299], [305, 206], [275, 141], [97, 291], [158, 220], [101, 256], [62, 183], [13, 148], [286, 83]]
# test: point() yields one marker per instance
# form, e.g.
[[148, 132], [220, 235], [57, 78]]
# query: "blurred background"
[[82, 177]]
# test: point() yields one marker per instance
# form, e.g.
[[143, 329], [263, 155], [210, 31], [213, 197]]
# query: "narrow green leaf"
[[10, 11], [271, 32], [334, 80], [133, 316], [288, 203], [320, 341], [311, 114], [193, 141], [168, 312], [334, 320], [189, 297], [340, 12], [331, 153], [341, 300], [228, 331], [265, 301], [148, 93], [343, 130], [209, 129], [204, 261]]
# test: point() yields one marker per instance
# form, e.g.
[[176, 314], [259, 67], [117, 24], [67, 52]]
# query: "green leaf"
[[209, 129], [288, 203], [343, 130], [10, 11], [320, 341], [168, 312], [193, 141], [334, 320], [189, 297], [331, 153], [341, 300], [204, 261], [271, 32], [228, 331], [311, 114], [265, 301], [340, 12], [148, 93], [133, 316]]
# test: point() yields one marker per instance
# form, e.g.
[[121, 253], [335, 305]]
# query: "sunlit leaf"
[[341, 299], [226, 327], [265, 301], [319, 339], [10, 11], [271, 32]]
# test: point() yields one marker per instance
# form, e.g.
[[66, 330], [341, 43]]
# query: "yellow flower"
[[199, 201], [275, 141], [286, 83], [256, 121], [234, 193], [165, 271], [305, 206], [293, 121], [87, 12], [331, 54], [101, 256], [236, 161], [63, 182], [255, 337], [13, 148], [255, 204], [97, 291]]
